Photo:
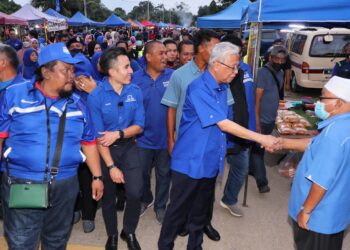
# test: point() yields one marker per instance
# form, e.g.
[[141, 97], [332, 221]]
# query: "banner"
[[58, 7]]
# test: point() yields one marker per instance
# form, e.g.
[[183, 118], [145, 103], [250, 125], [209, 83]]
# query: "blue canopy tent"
[[114, 20], [229, 18], [54, 13], [80, 20], [162, 25]]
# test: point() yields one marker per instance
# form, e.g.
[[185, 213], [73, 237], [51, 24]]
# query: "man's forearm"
[[314, 197], [171, 123], [295, 144], [132, 131], [92, 159], [105, 154]]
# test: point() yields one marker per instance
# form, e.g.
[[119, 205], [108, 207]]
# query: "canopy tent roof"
[[336, 11], [135, 23], [54, 13], [162, 25], [80, 20], [8, 19], [32, 14], [228, 18], [138, 23], [147, 23], [114, 20]]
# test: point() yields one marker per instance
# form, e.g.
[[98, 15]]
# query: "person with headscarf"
[[92, 48], [30, 63], [97, 75], [35, 44]]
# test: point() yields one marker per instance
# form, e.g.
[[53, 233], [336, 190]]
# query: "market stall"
[[78, 19], [114, 21], [8, 19]]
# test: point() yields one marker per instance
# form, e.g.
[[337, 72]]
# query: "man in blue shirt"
[[342, 68], [174, 97], [153, 81], [8, 67], [14, 42], [319, 201], [200, 149], [29, 118]]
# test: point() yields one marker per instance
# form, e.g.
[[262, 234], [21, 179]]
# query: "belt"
[[123, 141]]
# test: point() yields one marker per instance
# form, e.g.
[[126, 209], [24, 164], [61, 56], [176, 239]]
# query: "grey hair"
[[221, 51]]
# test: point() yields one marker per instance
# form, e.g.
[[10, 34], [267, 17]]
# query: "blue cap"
[[56, 51]]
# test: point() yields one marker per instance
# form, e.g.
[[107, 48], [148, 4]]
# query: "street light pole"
[[85, 11]]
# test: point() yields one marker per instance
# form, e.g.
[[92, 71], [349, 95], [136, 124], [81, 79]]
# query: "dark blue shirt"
[[154, 135], [111, 111], [342, 69], [200, 149], [17, 79], [16, 44]]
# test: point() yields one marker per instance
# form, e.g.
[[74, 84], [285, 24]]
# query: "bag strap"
[[59, 143], [279, 89]]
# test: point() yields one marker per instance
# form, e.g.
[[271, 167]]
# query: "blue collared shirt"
[[174, 95], [326, 162], [16, 43], [154, 135], [112, 112], [17, 79], [200, 149]]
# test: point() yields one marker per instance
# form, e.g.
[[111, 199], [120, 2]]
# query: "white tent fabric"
[[32, 14]]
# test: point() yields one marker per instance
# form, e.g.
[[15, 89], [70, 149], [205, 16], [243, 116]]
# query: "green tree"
[[121, 13], [9, 7]]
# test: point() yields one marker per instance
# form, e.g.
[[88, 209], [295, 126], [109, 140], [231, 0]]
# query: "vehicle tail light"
[[305, 68]]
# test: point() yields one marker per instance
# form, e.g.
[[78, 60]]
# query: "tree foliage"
[[8, 6]]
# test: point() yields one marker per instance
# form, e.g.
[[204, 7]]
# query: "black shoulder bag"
[[279, 89], [37, 195]]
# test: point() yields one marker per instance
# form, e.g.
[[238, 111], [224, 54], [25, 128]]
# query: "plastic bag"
[[289, 164]]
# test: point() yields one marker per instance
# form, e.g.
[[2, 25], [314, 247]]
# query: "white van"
[[313, 54]]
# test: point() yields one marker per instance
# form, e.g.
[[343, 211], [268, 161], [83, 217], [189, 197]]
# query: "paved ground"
[[264, 226]]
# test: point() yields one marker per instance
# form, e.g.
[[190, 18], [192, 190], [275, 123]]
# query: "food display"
[[290, 123]]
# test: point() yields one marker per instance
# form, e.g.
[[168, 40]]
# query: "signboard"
[[254, 47], [56, 26]]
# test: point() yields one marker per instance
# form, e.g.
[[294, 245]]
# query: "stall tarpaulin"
[[147, 23], [229, 18], [54, 13], [33, 15], [8, 19], [80, 20], [114, 20]]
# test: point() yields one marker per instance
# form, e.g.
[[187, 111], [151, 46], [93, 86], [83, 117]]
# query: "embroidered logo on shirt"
[[166, 84], [29, 102], [130, 98], [108, 104]]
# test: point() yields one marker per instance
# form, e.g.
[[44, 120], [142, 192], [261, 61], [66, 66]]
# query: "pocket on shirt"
[[107, 109]]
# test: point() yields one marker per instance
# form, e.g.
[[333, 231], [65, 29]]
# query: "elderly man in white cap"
[[320, 199]]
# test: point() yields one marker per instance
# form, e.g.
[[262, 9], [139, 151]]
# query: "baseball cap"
[[56, 51], [278, 49], [77, 39]]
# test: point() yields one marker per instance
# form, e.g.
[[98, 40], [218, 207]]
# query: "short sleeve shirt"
[[326, 163]]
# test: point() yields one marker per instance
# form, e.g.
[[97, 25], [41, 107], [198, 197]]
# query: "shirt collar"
[[328, 121], [107, 85], [193, 66], [212, 83]]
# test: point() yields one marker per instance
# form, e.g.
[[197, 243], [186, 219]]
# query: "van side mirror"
[[328, 38]]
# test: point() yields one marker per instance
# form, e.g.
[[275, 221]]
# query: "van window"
[[298, 43], [334, 49]]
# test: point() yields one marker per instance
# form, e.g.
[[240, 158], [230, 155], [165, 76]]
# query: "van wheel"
[[295, 87]]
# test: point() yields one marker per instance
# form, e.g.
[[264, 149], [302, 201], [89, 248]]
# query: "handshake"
[[271, 143]]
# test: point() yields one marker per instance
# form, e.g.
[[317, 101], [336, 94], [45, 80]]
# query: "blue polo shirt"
[[326, 162], [174, 95], [200, 149], [23, 122], [112, 112], [154, 135], [16, 44], [17, 79], [342, 69]]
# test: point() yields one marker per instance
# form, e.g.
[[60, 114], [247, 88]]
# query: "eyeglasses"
[[235, 68]]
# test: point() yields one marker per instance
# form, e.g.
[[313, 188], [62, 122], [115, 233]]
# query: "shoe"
[[120, 205], [76, 217], [211, 232], [264, 189], [144, 207], [112, 243], [88, 226], [131, 240], [183, 232], [233, 209], [160, 215]]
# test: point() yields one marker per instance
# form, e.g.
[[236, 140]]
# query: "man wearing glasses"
[[319, 200], [269, 89]]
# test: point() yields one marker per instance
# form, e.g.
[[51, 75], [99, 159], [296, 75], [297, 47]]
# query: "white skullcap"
[[340, 87]]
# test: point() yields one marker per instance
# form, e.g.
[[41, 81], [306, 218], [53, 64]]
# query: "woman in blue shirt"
[[118, 115], [30, 63]]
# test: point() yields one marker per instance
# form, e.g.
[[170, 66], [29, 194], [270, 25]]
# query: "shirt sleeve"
[[96, 113], [262, 81], [173, 92], [335, 69], [89, 134], [5, 118], [230, 100], [139, 118], [327, 158], [206, 107]]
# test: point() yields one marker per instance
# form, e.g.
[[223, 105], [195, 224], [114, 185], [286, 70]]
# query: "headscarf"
[[87, 39], [29, 67], [94, 61]]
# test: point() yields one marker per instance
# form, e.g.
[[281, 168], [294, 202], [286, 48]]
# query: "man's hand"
[[171, 144], [278, 145], [108, 138], [84, 83], [303, 218], [97, 189], [117, 175], [270, 142]]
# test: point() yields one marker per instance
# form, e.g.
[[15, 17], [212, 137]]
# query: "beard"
[[65, 93]]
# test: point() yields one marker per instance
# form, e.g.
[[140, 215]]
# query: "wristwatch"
[[304, 211], [111, 166], [100, 178], [121, 134]]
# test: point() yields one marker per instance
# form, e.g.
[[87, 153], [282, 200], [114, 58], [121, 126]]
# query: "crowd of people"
[[176, 101]]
